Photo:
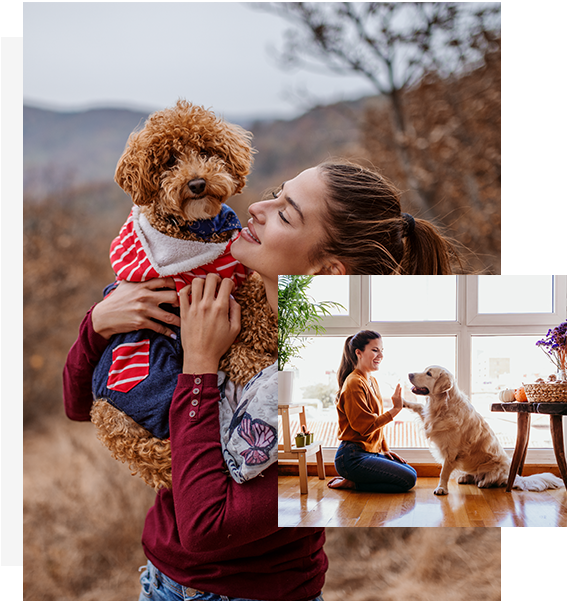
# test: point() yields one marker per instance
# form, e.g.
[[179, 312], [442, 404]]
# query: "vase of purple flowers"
[[554, 345]]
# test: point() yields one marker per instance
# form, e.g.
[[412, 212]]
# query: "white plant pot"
[[285, 387]]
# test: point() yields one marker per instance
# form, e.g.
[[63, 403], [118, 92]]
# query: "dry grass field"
[[83, 517], [413, 563]]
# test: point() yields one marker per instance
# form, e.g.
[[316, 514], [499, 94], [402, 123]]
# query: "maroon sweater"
[[209, 532]]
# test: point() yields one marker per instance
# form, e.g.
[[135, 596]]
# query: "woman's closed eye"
[[281, 214]]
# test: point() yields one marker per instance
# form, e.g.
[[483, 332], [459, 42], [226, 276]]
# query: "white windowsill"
[[424, 456]]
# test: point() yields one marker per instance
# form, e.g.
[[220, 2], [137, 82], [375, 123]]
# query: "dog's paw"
[[466, 479], [440, 491]]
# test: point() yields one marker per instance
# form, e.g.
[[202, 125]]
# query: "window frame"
[[469, 323]]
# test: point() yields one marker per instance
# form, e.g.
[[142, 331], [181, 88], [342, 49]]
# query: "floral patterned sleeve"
[[248, 422]]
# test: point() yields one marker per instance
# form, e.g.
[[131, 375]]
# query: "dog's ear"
[[443, 384], [136, 174], [236, 146]]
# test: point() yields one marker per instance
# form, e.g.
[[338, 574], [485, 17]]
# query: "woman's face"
[[370, 358], [283, 230]]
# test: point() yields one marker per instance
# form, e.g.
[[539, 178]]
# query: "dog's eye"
[[171, 161], [428, 373]]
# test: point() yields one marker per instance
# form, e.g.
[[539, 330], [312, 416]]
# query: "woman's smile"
[[249, 233]]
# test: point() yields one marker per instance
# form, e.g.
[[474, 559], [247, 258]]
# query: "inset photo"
[[429, 401]]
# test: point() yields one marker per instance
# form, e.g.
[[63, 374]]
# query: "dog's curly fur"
[[177, 147]]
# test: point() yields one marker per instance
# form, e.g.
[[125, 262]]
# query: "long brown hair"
[[349, 357], [367, 230]]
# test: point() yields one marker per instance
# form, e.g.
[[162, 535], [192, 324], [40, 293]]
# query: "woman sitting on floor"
[[363, 458]]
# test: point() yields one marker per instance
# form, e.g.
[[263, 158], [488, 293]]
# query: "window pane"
[[316, 382], [413, 298], [506, 362], [515, 294], [331, 288]]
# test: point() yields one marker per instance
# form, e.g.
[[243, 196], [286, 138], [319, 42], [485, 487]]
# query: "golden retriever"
[[462, 438]]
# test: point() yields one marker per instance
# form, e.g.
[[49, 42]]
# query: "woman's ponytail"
[[348, 363], [426, 250]]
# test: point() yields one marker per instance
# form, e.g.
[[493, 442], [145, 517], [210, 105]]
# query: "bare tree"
[[393, 45]]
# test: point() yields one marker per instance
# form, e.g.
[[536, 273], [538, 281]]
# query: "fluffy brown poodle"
[[179, 170]]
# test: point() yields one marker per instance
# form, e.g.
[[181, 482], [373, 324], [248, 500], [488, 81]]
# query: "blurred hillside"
[[71, 150], [77, 147]]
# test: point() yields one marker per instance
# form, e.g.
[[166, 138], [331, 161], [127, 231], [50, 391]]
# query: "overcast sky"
[[146, 55]]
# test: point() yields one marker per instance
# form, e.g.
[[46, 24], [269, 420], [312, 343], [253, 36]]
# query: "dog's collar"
[[204, 228]]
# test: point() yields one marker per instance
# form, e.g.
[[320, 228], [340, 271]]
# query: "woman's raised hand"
[[210, 322], [397, 398], [136, 305]]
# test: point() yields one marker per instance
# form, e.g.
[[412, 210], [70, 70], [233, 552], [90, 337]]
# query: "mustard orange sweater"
[[361, 414]]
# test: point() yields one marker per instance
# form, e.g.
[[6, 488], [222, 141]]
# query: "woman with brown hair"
[[341, 218], [363, 459]]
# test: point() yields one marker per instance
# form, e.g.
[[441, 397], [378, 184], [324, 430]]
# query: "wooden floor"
[[464, 506]]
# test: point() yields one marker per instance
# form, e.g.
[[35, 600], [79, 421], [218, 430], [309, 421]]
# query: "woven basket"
[[543, 392]]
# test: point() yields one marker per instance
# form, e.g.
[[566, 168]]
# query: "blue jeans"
[[373, 472], [156, 586]]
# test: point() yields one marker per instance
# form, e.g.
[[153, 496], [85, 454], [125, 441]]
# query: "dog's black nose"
[[197, 186], [411, 376]]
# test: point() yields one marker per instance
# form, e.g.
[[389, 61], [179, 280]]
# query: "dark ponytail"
[[426, 251], [349, 358]]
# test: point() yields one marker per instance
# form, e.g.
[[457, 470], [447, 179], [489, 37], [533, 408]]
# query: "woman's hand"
[[134, 306], [209, 323], [395, 457], [396, 401]]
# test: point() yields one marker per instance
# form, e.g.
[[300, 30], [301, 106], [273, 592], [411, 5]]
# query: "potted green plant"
[[298, 312]]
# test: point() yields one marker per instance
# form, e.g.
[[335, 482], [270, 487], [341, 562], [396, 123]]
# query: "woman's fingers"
[[184, 299], [157, 313], [211, 286], [147, 324], [211, 320], [212, 290], [396, 397], [224, 293], [197, 285], [234, 315], [135, 306]]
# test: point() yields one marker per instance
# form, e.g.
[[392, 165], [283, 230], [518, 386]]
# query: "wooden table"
[[289, 451], [524, 411]]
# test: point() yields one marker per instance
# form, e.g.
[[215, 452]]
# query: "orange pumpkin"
[[520, 394]]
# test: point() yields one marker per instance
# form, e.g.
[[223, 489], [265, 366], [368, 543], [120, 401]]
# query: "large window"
[[482, 328]]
